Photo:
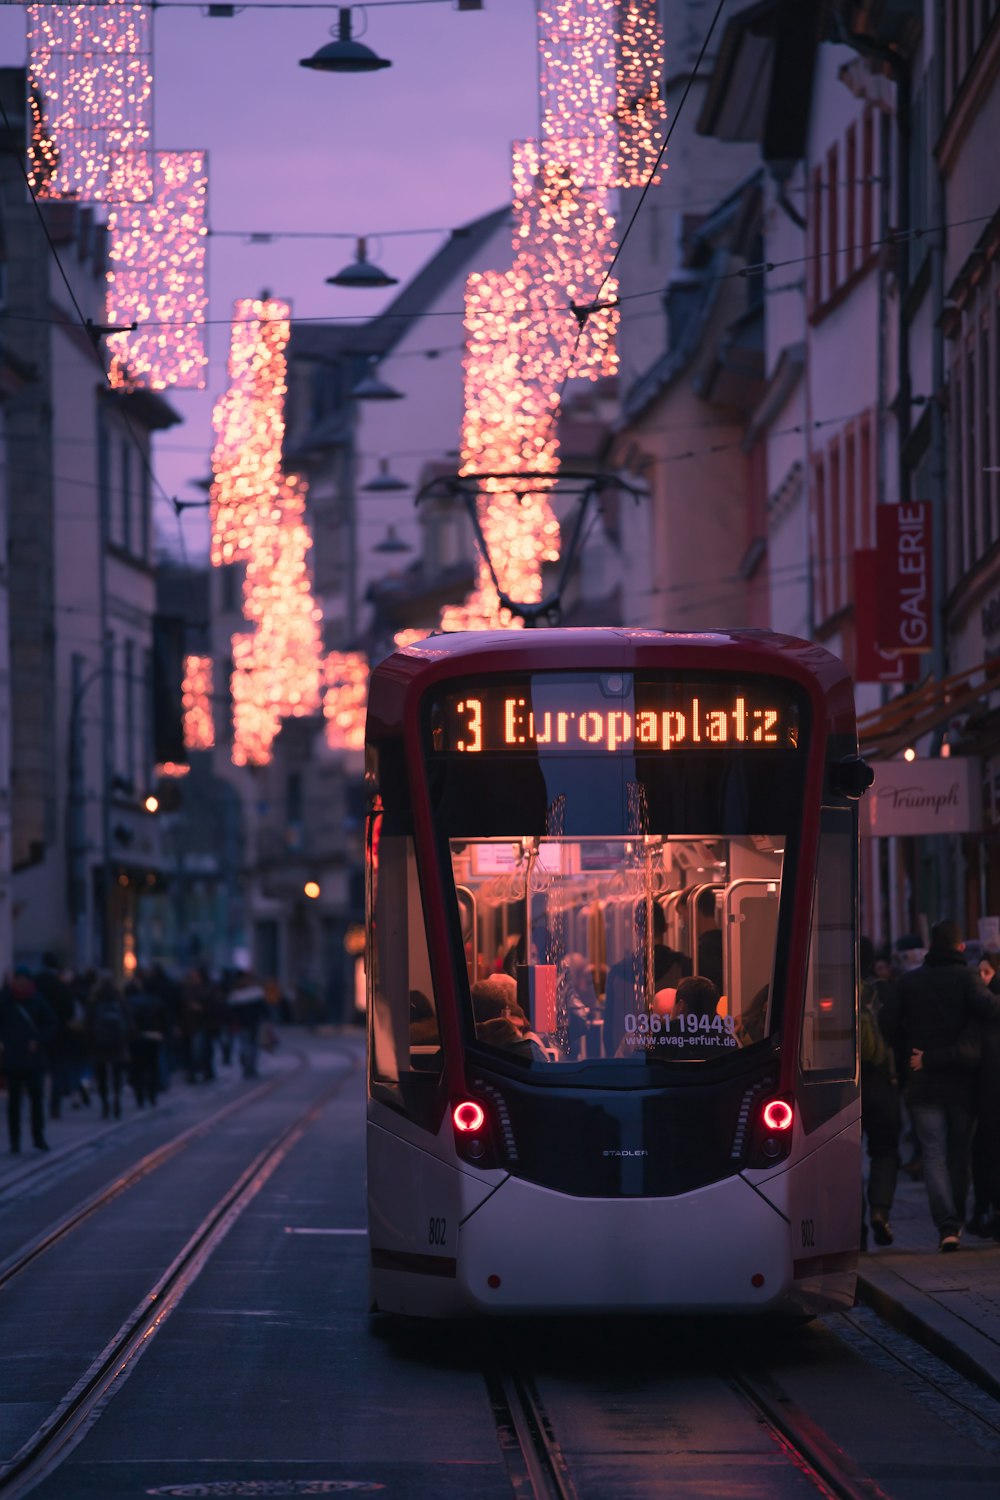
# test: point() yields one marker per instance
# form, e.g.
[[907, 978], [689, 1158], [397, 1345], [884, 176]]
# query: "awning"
[[904, 720]]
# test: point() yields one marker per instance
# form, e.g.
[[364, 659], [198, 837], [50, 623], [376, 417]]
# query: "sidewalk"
[[81, 1130], [949, 1303]]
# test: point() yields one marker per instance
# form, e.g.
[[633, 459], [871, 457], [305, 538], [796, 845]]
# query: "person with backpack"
[[880, 1105], [110, 1031]]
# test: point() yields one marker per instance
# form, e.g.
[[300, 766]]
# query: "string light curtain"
[[345, 674], [642, 109], [551, 317], [196, 703], [258, 517], [91, 70], [156, 278]]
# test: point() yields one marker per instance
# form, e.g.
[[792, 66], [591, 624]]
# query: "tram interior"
[[584, 948]]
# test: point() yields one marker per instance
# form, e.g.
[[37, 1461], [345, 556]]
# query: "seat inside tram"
[[647, 948]]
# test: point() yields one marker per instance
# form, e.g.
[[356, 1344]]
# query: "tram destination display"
[[613, 714]]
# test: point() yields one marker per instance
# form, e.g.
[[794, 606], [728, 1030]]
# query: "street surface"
[[265, 1374]]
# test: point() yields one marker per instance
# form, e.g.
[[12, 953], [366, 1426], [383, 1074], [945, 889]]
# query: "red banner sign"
[[904, 620], [870, 663]]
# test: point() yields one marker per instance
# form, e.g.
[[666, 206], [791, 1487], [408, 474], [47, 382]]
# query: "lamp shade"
[[392, 543], [361, 272], [371, 388], [345, 55], [383, 481]]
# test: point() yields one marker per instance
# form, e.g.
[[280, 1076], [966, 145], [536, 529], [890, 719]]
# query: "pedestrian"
[[985, 1220], [110, 1031], [65, 1077], [27, 1026], [149, 1026], [248, 1008], [932, 1017], [880, 1111]]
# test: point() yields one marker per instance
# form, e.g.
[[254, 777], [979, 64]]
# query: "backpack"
[[110, 1026], [871, 1044]]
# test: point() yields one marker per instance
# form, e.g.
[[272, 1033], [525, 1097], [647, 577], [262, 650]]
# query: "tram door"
[[750, 913]]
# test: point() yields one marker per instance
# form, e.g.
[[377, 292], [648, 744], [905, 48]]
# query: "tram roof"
[[450, 654]]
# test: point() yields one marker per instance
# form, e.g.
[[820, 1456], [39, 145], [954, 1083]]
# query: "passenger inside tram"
[[618, 927]]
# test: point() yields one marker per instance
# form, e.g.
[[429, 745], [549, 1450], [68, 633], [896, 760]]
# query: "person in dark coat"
[[932, 1018], [985, 1220], [149, 1027], [109, 1025], [248, 1009], [27, 1026], [881, 1119], [64, 1047]]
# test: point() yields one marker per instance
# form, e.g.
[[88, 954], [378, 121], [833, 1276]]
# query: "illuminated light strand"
[[258, 517], [92, 67], [409, 637], [641, 108], [196, 704], [532, 328], [345, 675], [156, 274], [43, 153]]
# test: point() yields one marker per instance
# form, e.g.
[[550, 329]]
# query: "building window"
[[969, 429], [126, 495], [832, 278], [130, 697], [851, 254], [146, 503]]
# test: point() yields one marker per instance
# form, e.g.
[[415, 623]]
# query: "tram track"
[[539, 1467], [804, 1442], [52, 1234], [78, 1411]]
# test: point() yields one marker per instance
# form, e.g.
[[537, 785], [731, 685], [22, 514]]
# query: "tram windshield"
[[618, 849]]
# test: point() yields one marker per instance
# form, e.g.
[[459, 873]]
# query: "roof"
[[761, 85]]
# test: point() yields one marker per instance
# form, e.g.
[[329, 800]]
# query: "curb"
[[940, 1332]]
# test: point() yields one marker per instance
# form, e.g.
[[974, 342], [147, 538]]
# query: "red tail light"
[[468, 1116], [778, 1115]]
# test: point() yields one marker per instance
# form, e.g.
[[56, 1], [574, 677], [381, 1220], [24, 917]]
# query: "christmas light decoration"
[[157, 279], [258, 517], [43, 154], [196, 704], [552, 317], [642, 109], [404, 638], [92, 66], [345, 674]]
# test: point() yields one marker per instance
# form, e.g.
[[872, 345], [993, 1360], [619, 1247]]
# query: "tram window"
[[572, 940], [404, 1024], [829, 1042]]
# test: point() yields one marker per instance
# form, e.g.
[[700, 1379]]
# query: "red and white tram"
[[612, 932]]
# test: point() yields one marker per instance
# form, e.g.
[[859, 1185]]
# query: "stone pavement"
[[949, 1303]]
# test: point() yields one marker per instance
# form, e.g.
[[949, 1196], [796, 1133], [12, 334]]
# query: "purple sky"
[[423, 144]]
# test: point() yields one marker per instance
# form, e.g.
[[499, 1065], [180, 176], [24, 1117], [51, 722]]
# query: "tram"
[[612, 974]]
